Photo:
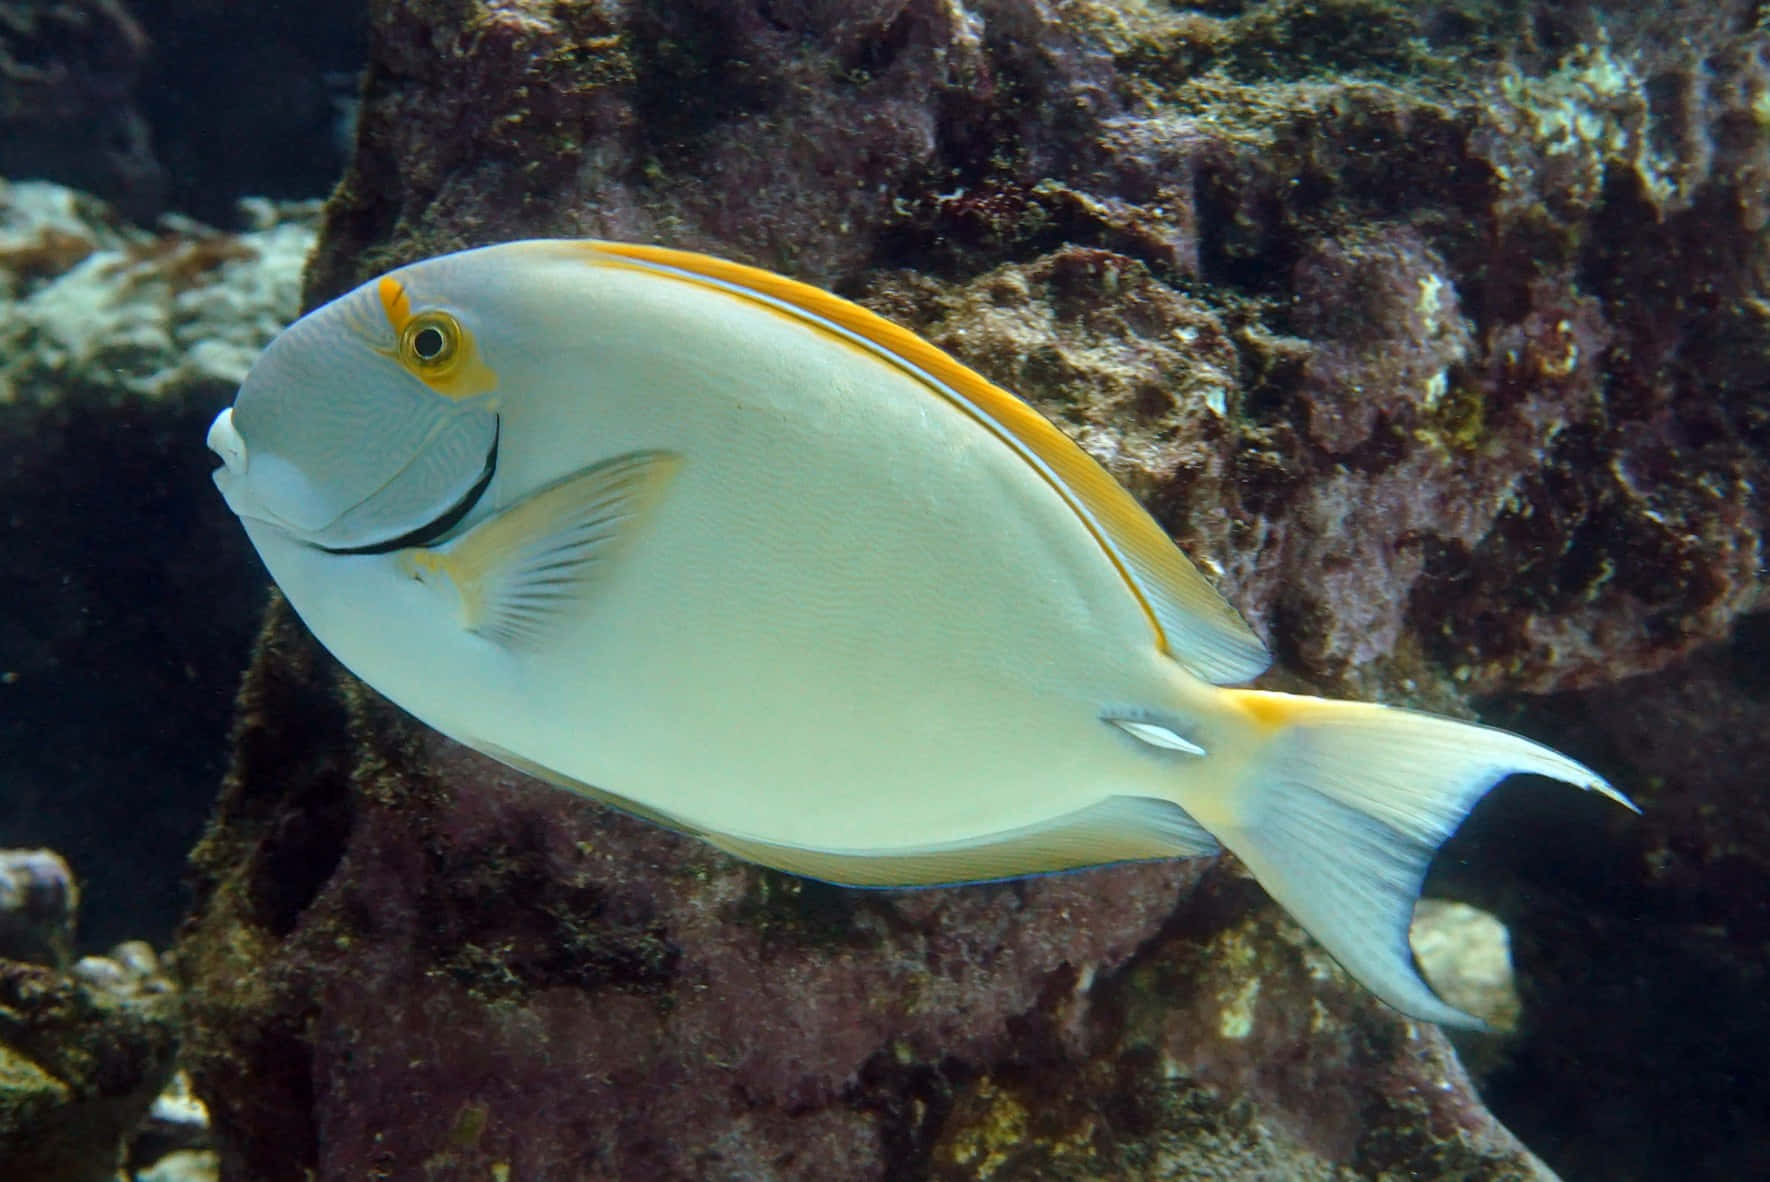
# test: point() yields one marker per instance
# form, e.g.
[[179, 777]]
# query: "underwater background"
[[1438, 334]]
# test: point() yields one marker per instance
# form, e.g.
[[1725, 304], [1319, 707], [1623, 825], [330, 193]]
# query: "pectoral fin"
[[518, 573]]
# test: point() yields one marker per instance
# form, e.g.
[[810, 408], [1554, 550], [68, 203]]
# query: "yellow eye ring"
[[430, 344]]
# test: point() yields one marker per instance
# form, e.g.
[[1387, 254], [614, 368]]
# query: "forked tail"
[[1342, 807]]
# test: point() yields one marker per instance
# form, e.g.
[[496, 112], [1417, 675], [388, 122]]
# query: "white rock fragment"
[[1466, 955], [94, 309], [178, 1108], [184, 1165]]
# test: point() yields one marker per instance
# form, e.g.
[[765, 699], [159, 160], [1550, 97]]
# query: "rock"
[[82, 1056], [184, 1165], [1237, 1051], [1459, 429], [38, 902], [1467, 956], [173, 1140], [69, 108]]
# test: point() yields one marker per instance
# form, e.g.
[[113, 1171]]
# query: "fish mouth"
[[425, 534], [224, 440]]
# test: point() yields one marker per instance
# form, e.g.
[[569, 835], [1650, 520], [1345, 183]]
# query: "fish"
[[739, 556]]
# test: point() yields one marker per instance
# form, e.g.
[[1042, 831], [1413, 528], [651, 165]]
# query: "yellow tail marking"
[[1270, 710]]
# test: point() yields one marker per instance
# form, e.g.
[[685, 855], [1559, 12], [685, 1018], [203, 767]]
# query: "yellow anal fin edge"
[[1118, 829], [1193, 624]]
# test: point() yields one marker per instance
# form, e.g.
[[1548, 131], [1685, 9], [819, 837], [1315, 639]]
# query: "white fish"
[[742, 557]]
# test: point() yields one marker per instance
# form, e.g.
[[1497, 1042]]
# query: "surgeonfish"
[[740, 556]]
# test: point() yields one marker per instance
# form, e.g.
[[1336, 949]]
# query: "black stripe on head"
[[424, 535]]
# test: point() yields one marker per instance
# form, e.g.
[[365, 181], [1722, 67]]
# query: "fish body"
[[739, 556]]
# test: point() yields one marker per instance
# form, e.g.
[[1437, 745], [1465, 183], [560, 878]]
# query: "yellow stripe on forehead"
[[1191, 622], [395, 302], [462, 373]]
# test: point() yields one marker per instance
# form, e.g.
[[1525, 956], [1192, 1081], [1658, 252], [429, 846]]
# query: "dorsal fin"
[[1193, 624]]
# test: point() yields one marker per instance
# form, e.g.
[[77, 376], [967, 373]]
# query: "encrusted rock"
[[1233, 1050], [1452, 254], [82, 1056]]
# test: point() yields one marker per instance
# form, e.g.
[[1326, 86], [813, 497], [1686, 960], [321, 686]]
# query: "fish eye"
[[431, 343]]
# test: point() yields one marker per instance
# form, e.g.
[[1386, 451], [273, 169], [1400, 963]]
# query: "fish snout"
[[224, 440]]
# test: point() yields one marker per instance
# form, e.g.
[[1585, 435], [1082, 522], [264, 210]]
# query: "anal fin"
[[547, 775], [1118, 829]]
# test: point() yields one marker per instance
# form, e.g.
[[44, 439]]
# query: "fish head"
[[368, 422]]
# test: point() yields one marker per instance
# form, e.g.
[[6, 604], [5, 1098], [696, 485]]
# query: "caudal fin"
[[1346, 802]]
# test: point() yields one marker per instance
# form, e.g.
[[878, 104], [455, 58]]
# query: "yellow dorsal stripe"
[[1192, 623]]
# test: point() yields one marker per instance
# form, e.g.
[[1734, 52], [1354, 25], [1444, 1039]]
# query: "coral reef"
[[130, 598], [1436, 332], [409, 960], [94, 309]]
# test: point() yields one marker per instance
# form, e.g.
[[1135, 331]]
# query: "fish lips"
[[418, 502]]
